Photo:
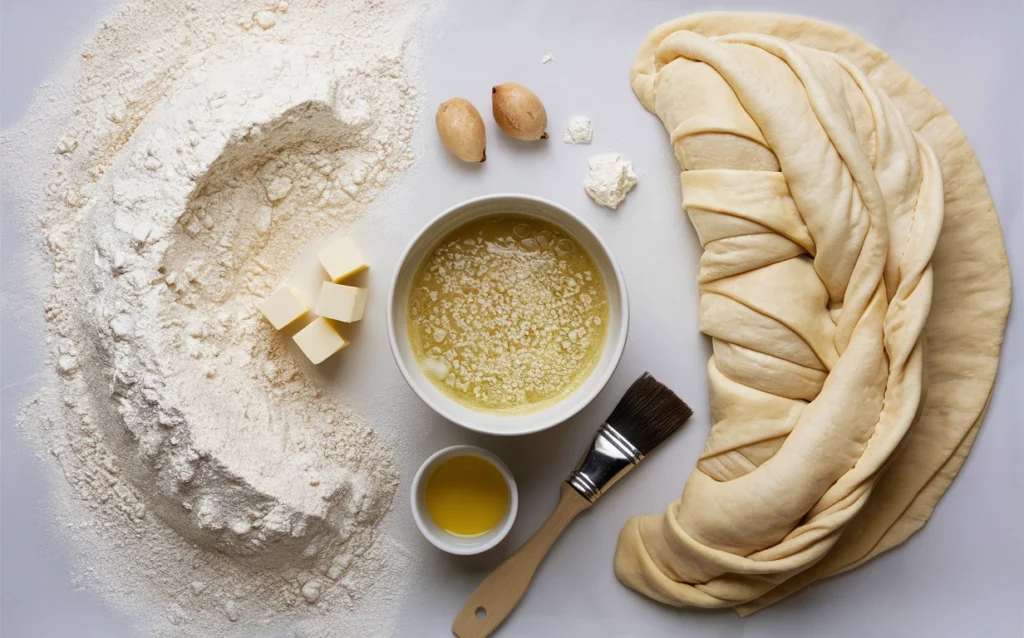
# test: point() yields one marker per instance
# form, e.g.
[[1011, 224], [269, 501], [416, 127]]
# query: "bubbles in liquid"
[[458, 319]]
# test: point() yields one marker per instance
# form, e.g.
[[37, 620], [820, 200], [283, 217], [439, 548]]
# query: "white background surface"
[[961, 575]]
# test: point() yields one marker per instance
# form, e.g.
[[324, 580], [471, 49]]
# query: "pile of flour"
[[202, 145]]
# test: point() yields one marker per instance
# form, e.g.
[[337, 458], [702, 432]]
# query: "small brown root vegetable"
[[519, 112], [462, 130]]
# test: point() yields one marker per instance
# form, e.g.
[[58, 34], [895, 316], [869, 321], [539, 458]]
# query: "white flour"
[[610, 177], [579, 130], [217, 488]]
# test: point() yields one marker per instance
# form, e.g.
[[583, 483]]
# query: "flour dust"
[[201, 147]]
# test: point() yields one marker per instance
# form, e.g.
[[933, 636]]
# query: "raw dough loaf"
[[840, 208]]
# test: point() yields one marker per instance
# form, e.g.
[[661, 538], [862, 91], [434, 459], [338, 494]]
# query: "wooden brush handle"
[[502, 590]]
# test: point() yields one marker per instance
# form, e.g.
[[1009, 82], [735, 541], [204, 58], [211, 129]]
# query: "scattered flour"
[[579, 130], [609, 179], [202, 146]]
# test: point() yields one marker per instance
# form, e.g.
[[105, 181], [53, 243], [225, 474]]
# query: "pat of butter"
[[341, 303], [283, 307], [342, 259], [319, 340]]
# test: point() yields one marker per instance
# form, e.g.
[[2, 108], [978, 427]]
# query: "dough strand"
[[852, 259]]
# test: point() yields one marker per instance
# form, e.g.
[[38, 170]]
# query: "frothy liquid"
[[508, 313]]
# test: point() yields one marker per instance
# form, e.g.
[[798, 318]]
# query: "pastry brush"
[[647, 415]]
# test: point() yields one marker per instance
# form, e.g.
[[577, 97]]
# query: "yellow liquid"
[[467, 496], [508, 313]]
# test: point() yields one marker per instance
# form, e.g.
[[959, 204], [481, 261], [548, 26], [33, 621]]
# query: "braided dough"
[[852, 259]]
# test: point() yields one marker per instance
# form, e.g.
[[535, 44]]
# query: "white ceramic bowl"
[[442, 539], [494, 422]]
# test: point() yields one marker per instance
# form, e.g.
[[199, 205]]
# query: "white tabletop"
[[961, 575]]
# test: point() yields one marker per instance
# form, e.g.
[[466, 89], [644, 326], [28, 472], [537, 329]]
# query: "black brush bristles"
[[648, 414]]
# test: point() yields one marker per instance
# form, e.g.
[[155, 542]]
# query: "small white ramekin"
[[497, 422], [442, 539]]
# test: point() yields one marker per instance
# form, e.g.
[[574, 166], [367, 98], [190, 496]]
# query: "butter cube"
[[341, 303], [319, 340], [283, 307], [342, 259]]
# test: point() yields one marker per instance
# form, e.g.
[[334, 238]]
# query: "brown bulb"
[[519, 112], [462, 130]]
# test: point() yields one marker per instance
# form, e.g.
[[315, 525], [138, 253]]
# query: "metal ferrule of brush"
[[609, 458]]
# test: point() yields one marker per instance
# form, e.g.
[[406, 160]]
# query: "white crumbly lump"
[[215, 488], [579, 130], [610, 177], [548, 57]]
